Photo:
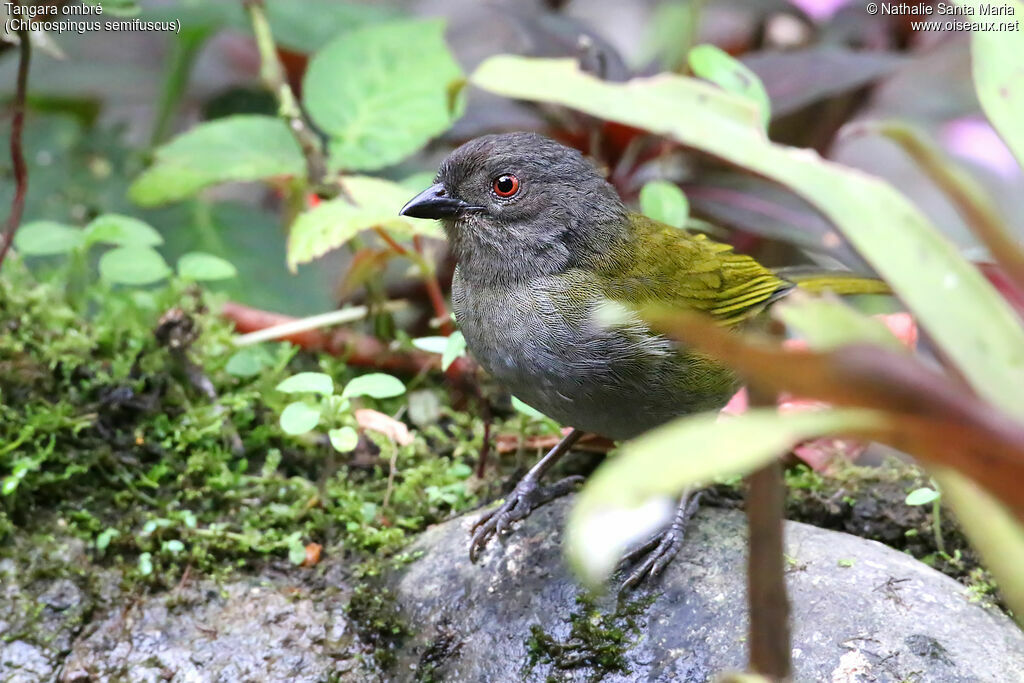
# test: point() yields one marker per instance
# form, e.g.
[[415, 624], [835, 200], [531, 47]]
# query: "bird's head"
[[519, 205]]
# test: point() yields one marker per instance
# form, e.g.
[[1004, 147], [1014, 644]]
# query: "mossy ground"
[[106, 431]]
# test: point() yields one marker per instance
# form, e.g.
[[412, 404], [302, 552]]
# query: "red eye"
[[506, 185]]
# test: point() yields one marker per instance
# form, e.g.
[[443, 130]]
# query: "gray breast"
[[563, 360]]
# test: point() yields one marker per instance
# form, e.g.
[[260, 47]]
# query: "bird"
[[547, 258]]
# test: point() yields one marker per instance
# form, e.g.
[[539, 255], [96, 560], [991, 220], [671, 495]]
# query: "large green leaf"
[[382, 91], [998, 66], [235, 148], [333, 223], [965, 316], [631, 495]]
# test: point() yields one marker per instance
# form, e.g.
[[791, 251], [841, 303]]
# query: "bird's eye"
[[505, 185]]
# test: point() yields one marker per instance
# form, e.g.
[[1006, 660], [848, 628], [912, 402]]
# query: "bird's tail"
[[818, 281]]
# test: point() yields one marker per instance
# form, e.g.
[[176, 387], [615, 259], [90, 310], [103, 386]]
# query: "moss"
[[375, 612], [104, 426], [597, 640]]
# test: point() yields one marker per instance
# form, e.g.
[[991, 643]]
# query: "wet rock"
[[861, 612], [257, 629], [46, 595]]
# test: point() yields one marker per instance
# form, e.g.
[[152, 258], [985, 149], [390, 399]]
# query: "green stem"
[[183, 54], [937, 525], [273, 76]]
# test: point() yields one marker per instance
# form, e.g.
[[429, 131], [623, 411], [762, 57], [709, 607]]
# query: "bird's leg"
[[659, 550], [526, 497]]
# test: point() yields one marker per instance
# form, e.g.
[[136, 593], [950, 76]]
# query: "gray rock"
[[861, 612], [256, 629], [41, 615]]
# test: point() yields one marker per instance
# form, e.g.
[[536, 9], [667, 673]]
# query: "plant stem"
[[937, 525], [184, 49], [433, 289], [769, 639], [272, 75], [313, 322], [17, 154]]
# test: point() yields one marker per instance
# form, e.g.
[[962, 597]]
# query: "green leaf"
[[829, 323], [993, 530], [10, 485], [527, 410], [382, 91], [248, 361], [968, 320], [173, 546], [300, 417], [431, 344], [631, 495], [42, 238], [375, 385], [333, 223], [234, 148], [998, 70], [344, 439], [133, 266], [123, 231], [664, 201], [146, 564], [714, 64], [105, 537], [455, 347], [922, 496], [296, 550], [198, 265], [312, 382]]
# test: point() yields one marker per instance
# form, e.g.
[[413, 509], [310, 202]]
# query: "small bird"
[[545, 248]]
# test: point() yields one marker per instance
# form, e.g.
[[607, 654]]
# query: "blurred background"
[[100, 102]]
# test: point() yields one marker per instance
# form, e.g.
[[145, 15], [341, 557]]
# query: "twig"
[[313, 322], [17, 155], [360, 350], [272, 75], [766, 584]]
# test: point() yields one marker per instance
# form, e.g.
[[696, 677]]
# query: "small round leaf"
[[42, 238], [122, 231], [247, 362], [664, 201], [201, 266], [133, 266], [343, 439], [375, 385], [311, 382], [300, 417], [922, 496]]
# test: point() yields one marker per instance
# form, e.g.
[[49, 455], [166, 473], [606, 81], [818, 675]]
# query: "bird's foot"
[[527, 496], [659, 550]]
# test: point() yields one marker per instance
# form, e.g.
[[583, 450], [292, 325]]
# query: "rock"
[[267, 628], [861, 612], [40, 615]]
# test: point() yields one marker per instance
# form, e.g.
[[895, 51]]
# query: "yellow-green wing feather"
[[689, 271]]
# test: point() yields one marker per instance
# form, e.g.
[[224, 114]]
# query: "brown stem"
[[434, 290], [766, 583], [273, 76], [17, 155], [390, 241]]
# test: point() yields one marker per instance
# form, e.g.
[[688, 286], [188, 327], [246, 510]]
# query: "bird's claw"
[[527, 496], [659, 550]]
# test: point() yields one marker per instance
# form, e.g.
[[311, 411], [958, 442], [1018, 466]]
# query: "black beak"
[[434, 202]]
